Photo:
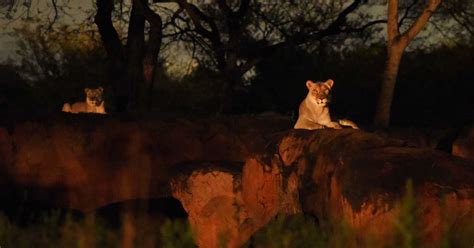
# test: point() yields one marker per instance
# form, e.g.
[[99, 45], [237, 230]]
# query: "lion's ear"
[[329, 83], [100, 89], [310, 84], [87, 90]]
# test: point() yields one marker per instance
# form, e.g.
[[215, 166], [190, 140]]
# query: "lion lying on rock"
[[314, 110], [94, 103]]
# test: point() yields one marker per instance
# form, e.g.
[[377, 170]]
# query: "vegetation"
[[250, 56], [303, 231], [53, 230], [397, 42], [243, 57], [428, 79]]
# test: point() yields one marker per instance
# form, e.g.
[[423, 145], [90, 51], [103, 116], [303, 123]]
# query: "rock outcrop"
[[463, 145], [88, 161], [232, 176], [360, 178]]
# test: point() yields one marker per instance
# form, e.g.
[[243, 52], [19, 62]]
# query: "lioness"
[[94, 103], [314, 110]]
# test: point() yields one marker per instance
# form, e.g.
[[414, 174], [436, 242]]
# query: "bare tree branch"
[[392, 20], [55, 17], [422, 20], [407, 11]]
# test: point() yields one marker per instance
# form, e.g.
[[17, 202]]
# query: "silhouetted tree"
[[456, 20], [58, 63], [236, 35], [131, 67]]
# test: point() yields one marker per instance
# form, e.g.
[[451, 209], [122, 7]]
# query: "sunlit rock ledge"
[[96, 160], [233, 175]]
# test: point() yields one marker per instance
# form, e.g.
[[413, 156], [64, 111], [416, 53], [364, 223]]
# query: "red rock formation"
[[359, 178], [345, 174], [424, 137], [227, 205], [212, 197], [463, 146], [333, 175], [91, 161]]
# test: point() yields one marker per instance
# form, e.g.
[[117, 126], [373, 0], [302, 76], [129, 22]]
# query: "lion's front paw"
[[318, 126], [334, 125]]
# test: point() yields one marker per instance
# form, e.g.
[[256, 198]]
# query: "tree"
[[456, 20], [58, 63], [396, 45], [131, 68], [236, 35]]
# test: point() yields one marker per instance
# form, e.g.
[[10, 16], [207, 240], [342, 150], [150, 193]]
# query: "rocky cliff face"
[[234, 175], [359, 178], [90, 161], [463, 145]]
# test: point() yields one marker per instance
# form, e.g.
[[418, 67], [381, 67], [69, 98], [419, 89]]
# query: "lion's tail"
[[348, 123]]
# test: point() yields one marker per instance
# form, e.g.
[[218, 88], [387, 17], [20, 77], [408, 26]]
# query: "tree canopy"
[[236, 43]]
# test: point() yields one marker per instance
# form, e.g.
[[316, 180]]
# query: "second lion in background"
[[94, 103]]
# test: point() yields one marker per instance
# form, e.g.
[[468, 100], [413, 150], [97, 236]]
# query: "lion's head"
[[94, 97], [319, 92]]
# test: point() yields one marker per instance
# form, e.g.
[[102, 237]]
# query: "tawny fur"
[[314, 110], [94, 103]]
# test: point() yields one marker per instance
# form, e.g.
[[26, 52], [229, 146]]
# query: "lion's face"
[[94, 97], [319, 92]]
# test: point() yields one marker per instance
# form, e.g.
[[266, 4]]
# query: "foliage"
[[302, 231], [194, 94], [455, 21], [15, 92], [53, 231], [280, 81], [290, 231], [56, 230], [431, 83], [406, 223], [176, 234], [319, 40], [428, 80], [59, 63]]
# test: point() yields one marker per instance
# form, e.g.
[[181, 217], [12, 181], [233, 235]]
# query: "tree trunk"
[[113, 46], [150, 64], [152, 50], [396, 44], [384, 104], [131, 72], [232, 92], [135, 54]]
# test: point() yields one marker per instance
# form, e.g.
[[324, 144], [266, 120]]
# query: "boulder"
[[233, 175], [88, 161], [337, 176], [360, 178], [211, 194], [463, 145]]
